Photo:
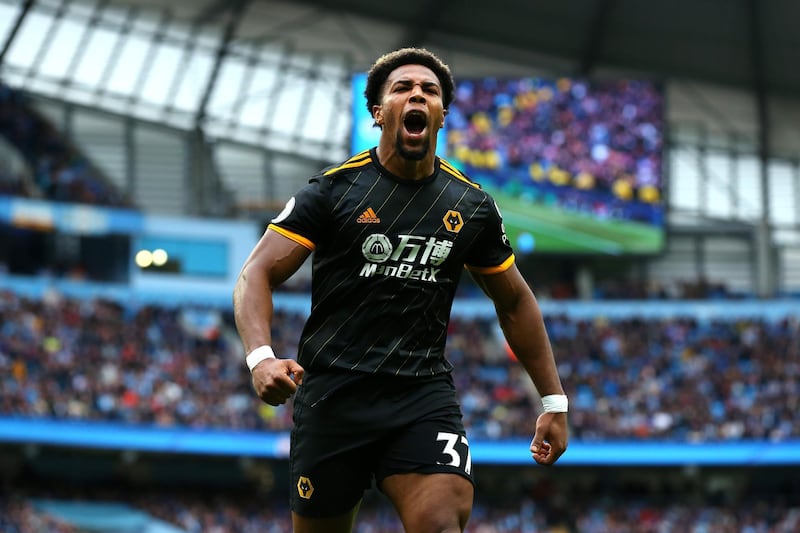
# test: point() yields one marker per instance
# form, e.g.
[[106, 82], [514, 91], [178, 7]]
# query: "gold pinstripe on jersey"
[[358, 160], [450, 169]]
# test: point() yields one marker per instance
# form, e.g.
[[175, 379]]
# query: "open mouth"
[[415, 122]]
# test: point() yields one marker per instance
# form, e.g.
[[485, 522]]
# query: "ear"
[[377, 114], [444, 114]]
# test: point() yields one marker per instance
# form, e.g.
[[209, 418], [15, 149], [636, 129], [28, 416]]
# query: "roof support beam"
[[213, 10], [237, 9], [765, 282], [17, 25]]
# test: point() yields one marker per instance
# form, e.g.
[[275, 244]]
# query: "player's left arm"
[[523, 326]]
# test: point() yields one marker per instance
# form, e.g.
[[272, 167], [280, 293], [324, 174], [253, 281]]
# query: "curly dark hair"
[[388, 62]]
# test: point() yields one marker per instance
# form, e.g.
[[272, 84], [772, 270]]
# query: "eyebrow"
[[407, 81]]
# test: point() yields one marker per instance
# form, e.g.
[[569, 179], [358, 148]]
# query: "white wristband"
[[555, 403], [258, 355]]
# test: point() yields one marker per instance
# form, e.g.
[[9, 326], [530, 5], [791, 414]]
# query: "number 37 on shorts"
[[456, 448]]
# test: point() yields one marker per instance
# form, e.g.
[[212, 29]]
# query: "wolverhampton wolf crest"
[[304, 488], [453, 221]]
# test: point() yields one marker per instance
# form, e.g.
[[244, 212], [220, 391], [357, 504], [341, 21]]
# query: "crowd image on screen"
[[590, 146], [671, 379]]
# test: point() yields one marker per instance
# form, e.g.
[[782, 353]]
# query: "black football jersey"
[[388, 255]]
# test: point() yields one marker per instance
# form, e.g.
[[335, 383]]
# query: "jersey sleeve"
[[491, 253], [306, 216]]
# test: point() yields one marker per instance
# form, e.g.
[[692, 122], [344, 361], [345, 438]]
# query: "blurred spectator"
[[60, 171], [610, 511], [18, 516], [700, 289], [679, 378]]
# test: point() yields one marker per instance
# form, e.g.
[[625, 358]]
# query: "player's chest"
[[407, 226]]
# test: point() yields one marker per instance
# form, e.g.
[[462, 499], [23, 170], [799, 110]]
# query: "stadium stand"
[[681, 378], [599, 506], [60, 171]]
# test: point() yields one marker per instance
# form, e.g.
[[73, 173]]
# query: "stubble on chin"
[[412, 155]]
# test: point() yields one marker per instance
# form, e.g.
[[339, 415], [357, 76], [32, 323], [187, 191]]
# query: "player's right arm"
[[272, 261]]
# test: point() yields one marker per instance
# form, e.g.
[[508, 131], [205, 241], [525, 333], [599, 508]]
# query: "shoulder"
[[470, 187], [358, 161], [449, 170]]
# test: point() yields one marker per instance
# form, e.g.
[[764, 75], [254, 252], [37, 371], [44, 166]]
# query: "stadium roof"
[[273, 72], [743, 43]]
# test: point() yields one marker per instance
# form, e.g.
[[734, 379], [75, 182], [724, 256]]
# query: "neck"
[[412, 169]]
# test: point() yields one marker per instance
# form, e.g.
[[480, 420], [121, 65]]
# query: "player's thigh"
[[330, 461], [434, 503], [329, 474], [334, 524], [426, 471]]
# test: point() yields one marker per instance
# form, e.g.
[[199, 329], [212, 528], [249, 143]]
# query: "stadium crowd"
[[60, 171], [12, 183], [617, 512], [672, 379]]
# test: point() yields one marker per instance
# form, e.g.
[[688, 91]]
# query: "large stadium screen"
[[575, 166]]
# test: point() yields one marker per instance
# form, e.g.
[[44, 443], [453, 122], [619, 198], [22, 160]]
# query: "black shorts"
[[350, 430]]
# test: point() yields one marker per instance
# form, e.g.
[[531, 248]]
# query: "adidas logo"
[[368, 217]]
